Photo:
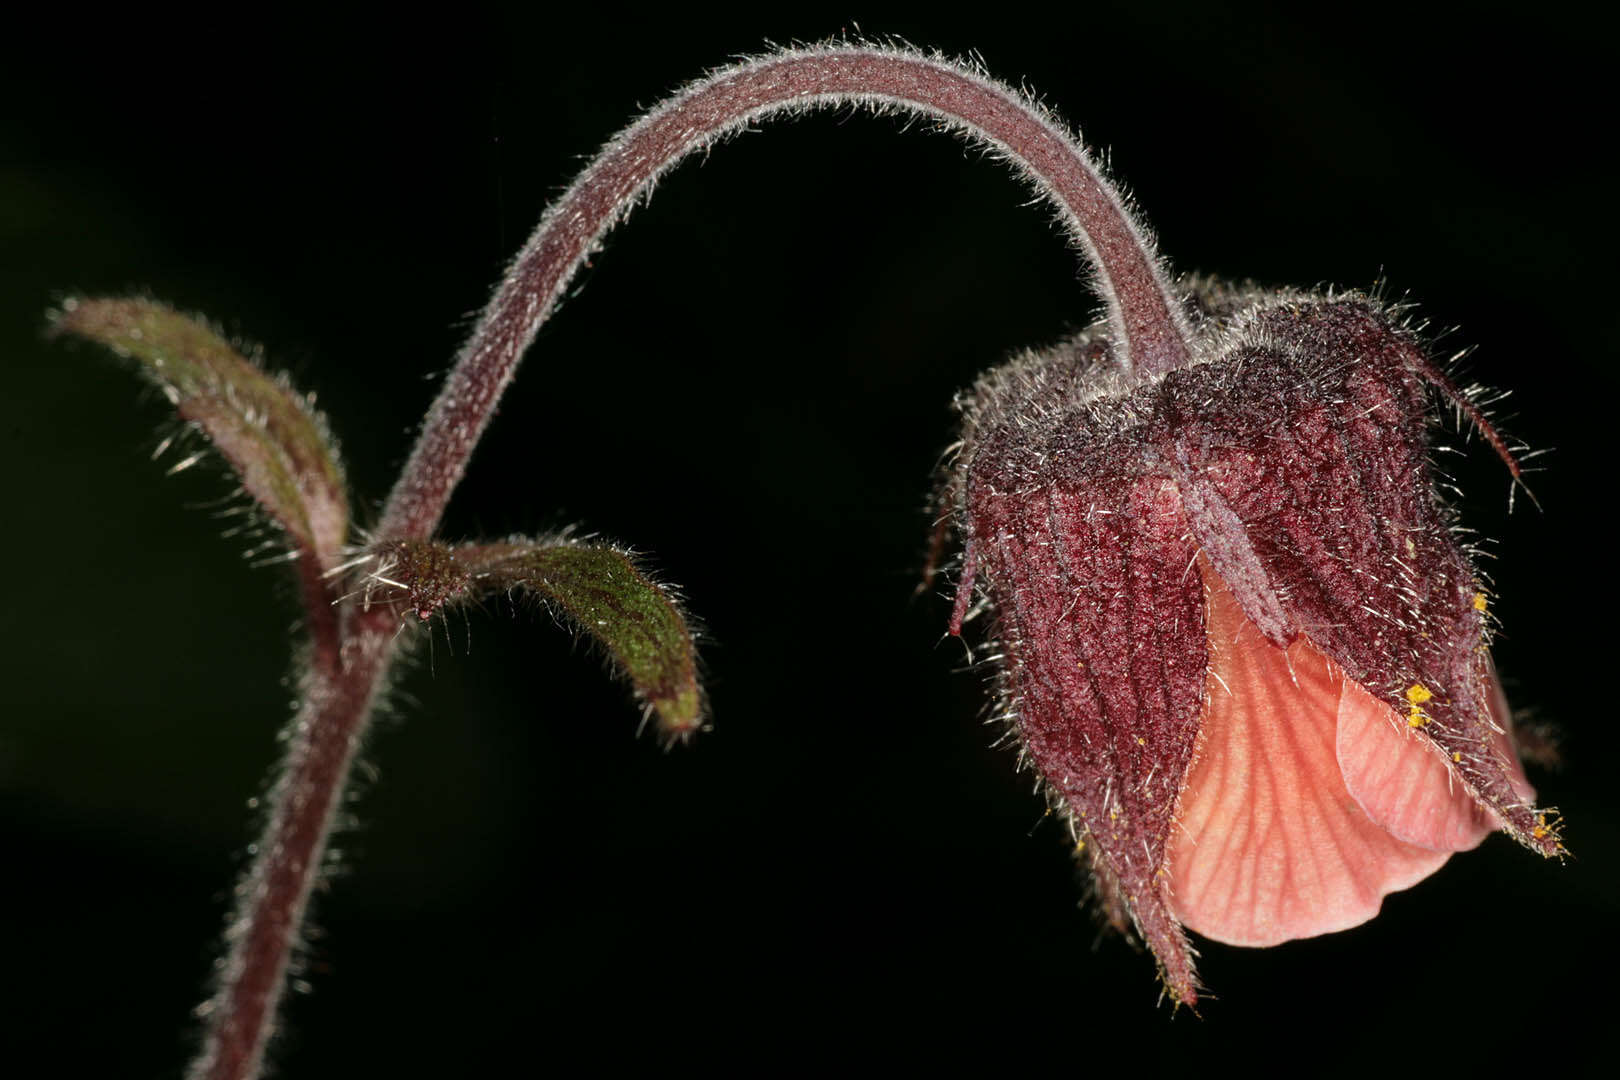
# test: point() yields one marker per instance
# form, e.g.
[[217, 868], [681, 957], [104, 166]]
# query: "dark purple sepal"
[[1083, 544], [1311, 428]]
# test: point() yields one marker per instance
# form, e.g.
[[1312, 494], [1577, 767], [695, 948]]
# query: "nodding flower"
[[1239, 638]]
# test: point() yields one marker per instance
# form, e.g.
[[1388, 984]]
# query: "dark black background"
[[754, 386]]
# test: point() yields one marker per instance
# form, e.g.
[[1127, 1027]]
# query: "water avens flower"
[[1239, 638], [1240, 641]]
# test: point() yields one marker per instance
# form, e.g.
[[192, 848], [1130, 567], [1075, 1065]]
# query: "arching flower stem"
[[1127, 275], [353, 648]]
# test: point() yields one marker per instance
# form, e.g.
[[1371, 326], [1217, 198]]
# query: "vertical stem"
[[322, 617], [1148, 327], [273, 897]]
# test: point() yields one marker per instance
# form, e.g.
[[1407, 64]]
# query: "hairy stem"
[[352, 648], [271, 900], [1145, 318], [323, 619]]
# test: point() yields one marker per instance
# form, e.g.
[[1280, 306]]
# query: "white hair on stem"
[[1144, 315], [348, 673]]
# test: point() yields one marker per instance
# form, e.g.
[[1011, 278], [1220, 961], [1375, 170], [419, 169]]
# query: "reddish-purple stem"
[[352, 648], [1145, 317], [322, 616], [272, 898]]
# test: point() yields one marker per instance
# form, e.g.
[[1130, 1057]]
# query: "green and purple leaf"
[[597, 589], [274, 440]]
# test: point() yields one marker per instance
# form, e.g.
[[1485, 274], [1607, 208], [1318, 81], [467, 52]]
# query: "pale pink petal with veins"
[[1400, 779], [1271, 845]]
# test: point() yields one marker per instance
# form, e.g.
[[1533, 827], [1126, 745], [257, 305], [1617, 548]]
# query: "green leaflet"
[[276, 442], [597, 589]]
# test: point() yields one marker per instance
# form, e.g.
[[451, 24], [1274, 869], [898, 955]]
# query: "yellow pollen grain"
[[1417, 717], [1456, 757], [1417, 694], [1141, 741], [1479, 601]]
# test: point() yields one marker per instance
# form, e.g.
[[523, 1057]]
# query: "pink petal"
[[1304, 455], [1270, 845], [1400, 778]]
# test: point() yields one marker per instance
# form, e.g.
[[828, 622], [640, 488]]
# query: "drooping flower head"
[[1240, 640]]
